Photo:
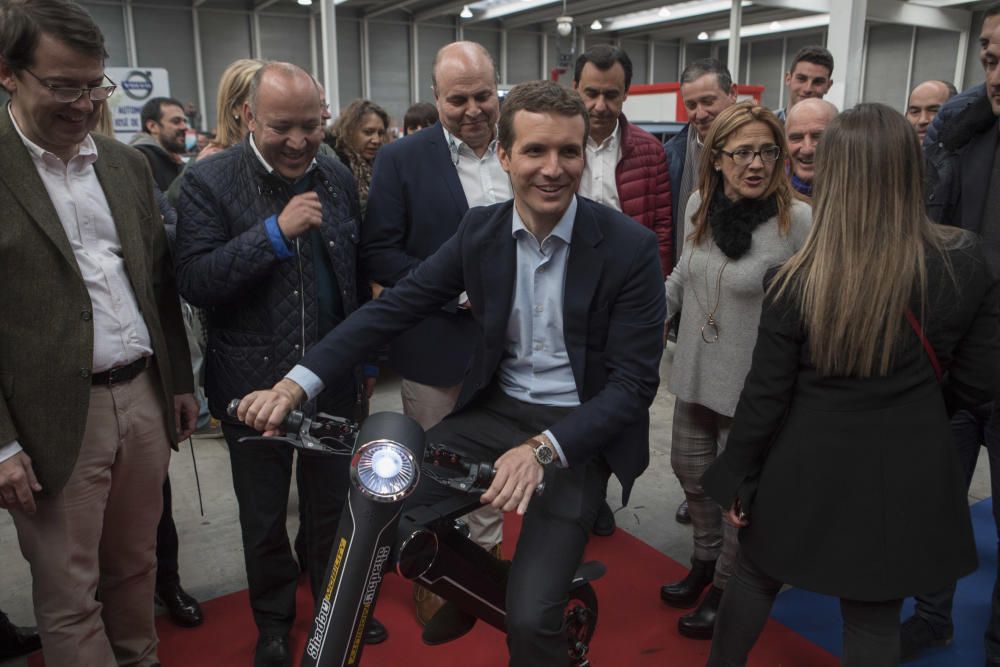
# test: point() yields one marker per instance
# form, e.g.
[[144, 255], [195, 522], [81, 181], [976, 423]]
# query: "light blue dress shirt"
[[535, 368]]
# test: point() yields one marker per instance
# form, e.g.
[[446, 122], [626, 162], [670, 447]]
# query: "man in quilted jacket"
[[626, 166], [267, 238]]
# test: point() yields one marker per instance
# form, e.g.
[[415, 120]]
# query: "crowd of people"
[[830, 277]]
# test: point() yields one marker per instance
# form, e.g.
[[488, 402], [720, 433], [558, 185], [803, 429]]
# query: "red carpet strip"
[[635, 629]]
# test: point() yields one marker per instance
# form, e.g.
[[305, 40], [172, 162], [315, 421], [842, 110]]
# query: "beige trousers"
[[428, 405], [92, 546]]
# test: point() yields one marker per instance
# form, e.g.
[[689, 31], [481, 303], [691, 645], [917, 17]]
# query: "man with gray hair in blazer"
[[94, 371]]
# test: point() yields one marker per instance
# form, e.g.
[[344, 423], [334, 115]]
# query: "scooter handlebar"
[[290, 424]]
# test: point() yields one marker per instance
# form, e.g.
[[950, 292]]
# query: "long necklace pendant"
[[710, 330]]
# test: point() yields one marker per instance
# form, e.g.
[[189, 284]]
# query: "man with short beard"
[[164, 128], [804, 127]]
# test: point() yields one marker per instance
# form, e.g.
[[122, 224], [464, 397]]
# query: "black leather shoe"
[[917, 635], [15, 641], [700, 623], [684, 594], [683, 515], [604, 525], [183, 609], [272, 651], [448, 624], [375, 632]]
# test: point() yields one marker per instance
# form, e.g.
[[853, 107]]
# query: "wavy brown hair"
[[866, 252], [728, 122], [351, 118]]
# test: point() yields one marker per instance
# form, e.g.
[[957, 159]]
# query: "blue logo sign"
[[137, 85]]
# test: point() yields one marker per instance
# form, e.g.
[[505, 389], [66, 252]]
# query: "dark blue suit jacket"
[[415, 204], [613, 313]]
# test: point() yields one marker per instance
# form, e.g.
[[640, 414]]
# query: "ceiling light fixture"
[[703, 35], [758, 29], [304, 3], [596, 25], [564, 25], [675, 12], [466, 13]]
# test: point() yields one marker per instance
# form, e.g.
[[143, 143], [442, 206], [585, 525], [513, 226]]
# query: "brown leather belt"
[[121, 373]]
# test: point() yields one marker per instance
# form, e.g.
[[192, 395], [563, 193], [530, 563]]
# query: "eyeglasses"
[[744, 156], [69, 95]]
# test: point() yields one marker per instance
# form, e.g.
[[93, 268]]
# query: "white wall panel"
[[348, 60], [524, 56], [887, 64], [111, 19], [665, 60], [430, 39], [225, 37], [286, 38], [390, 68], [164, 38]]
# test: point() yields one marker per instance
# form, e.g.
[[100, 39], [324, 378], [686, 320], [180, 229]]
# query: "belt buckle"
[[113, 374]]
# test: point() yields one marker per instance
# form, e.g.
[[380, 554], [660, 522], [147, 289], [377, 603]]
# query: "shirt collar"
[[455, 145], [87, 151], [563, 229], [610, 141], [268, 167]]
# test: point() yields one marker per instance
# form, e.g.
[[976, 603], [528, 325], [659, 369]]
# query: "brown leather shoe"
[[427, 603]]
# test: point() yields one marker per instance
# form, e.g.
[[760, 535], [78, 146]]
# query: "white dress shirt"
[[483, 179], [598, 180], [120, 333]]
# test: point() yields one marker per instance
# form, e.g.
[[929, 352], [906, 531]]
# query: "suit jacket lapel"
[[19, 174], [126, 211], [583, 272], [498, 267], [450, 175]]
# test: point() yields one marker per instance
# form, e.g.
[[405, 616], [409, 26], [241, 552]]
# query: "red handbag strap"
[[912, 319]]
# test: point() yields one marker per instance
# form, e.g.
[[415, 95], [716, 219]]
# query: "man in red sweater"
[[626, 166]]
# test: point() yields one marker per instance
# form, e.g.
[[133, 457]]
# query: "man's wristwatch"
[[544, 452]]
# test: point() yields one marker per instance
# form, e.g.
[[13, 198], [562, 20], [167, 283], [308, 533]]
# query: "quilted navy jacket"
[[262, 310]]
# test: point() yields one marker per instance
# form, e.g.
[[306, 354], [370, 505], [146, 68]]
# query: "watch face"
[[544, 454]]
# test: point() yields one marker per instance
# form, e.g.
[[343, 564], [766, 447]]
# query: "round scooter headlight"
[[384, 470]]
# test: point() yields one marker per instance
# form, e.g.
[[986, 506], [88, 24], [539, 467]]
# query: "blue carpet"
[[817, 617]]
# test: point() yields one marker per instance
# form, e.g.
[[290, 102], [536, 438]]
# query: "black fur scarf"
[[732, 223]]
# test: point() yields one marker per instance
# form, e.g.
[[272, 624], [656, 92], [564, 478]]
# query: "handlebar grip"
[[290, 424]]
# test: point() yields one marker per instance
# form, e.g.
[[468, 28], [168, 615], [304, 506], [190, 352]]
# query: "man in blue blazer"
[[421, 188], [568, 297]]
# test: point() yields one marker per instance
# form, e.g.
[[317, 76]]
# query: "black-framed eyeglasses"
[[744, 156], [68, 95]]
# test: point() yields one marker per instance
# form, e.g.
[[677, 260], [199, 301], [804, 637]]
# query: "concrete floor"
[[211, 552]]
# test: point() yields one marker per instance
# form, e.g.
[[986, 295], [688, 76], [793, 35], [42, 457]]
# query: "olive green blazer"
[[46, 333]]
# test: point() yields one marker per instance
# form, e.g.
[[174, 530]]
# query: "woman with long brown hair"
[[839, 468], [357, 135], [744, 220]]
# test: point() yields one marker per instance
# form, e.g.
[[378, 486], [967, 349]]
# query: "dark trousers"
[[971, 429], [871, 629], [556, 525], [262, 476], [166, 542]]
